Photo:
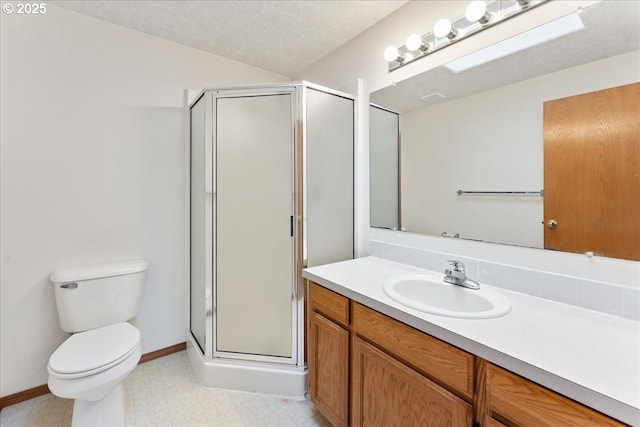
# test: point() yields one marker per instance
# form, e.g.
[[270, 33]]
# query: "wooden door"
[[592, 173], [328, 360], [388, 393]]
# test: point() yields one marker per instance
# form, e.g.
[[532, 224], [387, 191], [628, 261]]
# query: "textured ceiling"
[[282, 36]]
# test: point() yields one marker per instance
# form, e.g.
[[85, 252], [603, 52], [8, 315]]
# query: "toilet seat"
[[91, 352]]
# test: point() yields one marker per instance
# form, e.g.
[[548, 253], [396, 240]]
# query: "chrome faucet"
[[457, 276]]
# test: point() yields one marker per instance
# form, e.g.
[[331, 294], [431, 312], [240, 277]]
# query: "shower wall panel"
[[329, 177], [198, 223]]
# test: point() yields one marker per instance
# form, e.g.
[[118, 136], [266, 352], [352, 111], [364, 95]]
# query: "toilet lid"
[[93, 349]]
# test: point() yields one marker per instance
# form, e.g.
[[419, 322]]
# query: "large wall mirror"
[[477, 146]]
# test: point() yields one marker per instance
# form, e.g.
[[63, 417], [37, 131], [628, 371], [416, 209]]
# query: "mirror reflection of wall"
[[492, 138], [383, 166]]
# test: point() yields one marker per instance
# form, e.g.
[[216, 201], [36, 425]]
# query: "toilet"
[[94, 304]]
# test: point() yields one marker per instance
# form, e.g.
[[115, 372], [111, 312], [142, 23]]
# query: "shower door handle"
[[69, 285]]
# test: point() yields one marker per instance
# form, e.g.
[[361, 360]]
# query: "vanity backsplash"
[[609, 298]]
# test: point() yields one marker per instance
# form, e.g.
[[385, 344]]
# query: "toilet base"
[[108, 411]]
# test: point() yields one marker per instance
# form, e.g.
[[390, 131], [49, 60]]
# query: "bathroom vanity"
[[373, 361]]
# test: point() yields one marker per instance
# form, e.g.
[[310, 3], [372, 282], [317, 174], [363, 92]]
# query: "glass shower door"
[[254, 208]]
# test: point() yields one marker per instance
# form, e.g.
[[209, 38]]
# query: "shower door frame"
[[297, 294], [299, 199], [206, 97]]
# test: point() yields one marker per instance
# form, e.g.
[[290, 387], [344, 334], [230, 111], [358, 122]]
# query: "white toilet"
[[94, 303]]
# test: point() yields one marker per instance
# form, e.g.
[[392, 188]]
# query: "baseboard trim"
[[163, 352], [22, 396]]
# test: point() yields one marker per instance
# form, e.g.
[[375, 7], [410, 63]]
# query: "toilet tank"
[[93, 296]]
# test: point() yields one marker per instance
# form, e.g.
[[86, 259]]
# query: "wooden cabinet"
[[368, 370], [442, 363], [517, 401], [328, 354], [491, 422], [386, 392], [399, 376]]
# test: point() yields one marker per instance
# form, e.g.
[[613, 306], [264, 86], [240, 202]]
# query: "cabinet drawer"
[[329, 303], [448, 365], [521, 402]]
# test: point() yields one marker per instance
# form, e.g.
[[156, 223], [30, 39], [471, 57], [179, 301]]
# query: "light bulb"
[[477, 11], [442, 28], [414, 42], [391, 54]]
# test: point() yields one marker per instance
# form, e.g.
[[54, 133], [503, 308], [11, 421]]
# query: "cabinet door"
[[329, 369], [387, 393], [442, 362]]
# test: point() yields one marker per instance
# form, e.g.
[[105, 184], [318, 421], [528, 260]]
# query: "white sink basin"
[[431, 294]]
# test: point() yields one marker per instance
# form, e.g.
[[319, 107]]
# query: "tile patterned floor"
[[166, 392]]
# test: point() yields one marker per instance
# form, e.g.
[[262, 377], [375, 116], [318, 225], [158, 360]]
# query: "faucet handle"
[[457, 265]]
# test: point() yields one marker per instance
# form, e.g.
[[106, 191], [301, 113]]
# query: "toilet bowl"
[[90, 365]]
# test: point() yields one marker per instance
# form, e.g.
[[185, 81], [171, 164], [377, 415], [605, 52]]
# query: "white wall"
[[93, 170], [362, 58]]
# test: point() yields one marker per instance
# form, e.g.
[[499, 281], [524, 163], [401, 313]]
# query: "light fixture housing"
[[479, 15], [549, 31]]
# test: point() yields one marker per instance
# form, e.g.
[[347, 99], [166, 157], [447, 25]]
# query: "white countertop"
[[591, 357]]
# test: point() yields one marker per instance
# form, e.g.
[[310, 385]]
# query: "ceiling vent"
[[432, 97]]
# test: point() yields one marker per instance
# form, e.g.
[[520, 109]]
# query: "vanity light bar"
[[479, 15]]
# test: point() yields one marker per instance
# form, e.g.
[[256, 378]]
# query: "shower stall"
[[271, 192]]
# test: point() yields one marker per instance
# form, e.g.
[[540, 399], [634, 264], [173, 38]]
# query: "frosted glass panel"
[[254, 271], [383, 155], [198, 235], [329, 178]]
